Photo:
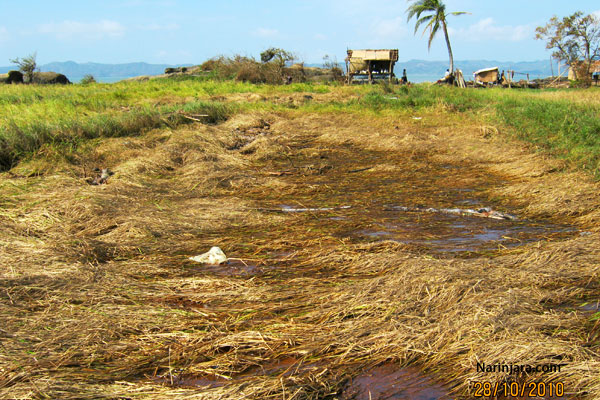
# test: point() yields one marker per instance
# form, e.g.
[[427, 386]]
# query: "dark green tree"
[[432, 14]]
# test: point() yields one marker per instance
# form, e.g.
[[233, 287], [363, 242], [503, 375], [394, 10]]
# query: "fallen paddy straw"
[[99, 301]]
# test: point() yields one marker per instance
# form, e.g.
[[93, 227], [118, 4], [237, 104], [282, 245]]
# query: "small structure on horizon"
[[486, 76], [369, 65]]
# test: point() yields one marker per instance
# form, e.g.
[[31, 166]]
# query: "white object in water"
[[214, 256]]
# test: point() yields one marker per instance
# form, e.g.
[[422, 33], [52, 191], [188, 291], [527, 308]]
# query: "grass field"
[[99, 299]]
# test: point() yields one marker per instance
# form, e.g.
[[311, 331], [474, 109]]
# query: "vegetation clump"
[[28, 66], [273, 68], [88, 79], [575, 40]]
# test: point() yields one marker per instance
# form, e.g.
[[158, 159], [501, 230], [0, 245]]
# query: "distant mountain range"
[[112, 72], [535, 69], [102, 72]]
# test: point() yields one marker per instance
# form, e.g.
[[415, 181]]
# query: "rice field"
[[350, 277]]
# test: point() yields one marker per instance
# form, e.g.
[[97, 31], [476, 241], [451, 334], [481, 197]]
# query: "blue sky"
[[186, 31]]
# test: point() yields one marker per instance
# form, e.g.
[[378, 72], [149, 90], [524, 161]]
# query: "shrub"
[[27, 66], [86, 80]]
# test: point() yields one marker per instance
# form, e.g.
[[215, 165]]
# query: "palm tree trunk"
[[449, 47]]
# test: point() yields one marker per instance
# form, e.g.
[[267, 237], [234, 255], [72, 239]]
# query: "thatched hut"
[[486, 76], [371, 64]]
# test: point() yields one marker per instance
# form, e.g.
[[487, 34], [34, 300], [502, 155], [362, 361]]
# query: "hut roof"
[[485, 70], [369, 54]]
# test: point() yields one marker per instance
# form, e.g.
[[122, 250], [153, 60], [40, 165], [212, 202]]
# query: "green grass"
[[553, 121], [32, 116]]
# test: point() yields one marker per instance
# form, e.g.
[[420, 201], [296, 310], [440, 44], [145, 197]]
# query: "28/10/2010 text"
[[515, 389]]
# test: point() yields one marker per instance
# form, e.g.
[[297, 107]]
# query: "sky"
[[190, 32]]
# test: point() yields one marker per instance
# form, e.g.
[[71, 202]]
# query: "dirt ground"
[[333, 291]]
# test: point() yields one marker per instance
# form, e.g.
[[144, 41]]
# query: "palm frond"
[[434, 30], [422, 21]]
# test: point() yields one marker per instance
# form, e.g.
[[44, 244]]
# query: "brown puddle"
[[230, 268], [443, 232], [588, 307], [195, 382], [353, 205], [387, 382]]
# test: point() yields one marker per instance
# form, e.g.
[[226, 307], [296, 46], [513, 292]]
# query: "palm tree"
[[434, 20]]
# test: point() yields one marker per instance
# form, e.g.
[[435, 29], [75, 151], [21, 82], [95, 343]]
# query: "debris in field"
[[288, 209], [214, 256], [359, 170], [485, 212], [100, 179], [417, 118]]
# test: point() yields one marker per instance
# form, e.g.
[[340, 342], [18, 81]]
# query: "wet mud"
[[229, 268], [458, 233], [388, 382], [390, 199]]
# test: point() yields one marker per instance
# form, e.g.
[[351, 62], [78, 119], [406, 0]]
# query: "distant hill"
[[426, 70], [103, 72]]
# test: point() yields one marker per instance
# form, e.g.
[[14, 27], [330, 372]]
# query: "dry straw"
[[99, 301]]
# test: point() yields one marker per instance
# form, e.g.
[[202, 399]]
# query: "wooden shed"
[[369, 65], [486, 76]]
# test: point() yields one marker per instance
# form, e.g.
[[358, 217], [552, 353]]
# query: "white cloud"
[[89, 30], [320, 36], [159, 27], [487, 29], [390, 28], [265, 32]]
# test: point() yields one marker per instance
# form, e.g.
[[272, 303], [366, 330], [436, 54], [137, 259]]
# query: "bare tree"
[[575, 39], [27, 65]]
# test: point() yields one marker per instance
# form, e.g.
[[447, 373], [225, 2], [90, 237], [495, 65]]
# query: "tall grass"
[[565, 123], [567, 129], [23, 131], [558, 122]]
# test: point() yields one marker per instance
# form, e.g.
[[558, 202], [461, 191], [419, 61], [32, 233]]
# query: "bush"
[[27, 65], [86, 80], [250, 73], [246, 69]]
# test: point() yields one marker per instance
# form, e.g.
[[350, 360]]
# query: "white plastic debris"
[[485, 212], [214, 256], [292, 209]]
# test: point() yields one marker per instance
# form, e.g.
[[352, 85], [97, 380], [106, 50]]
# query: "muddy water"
[[230, 268], [442, 232], [352, 205], [387, 382]]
